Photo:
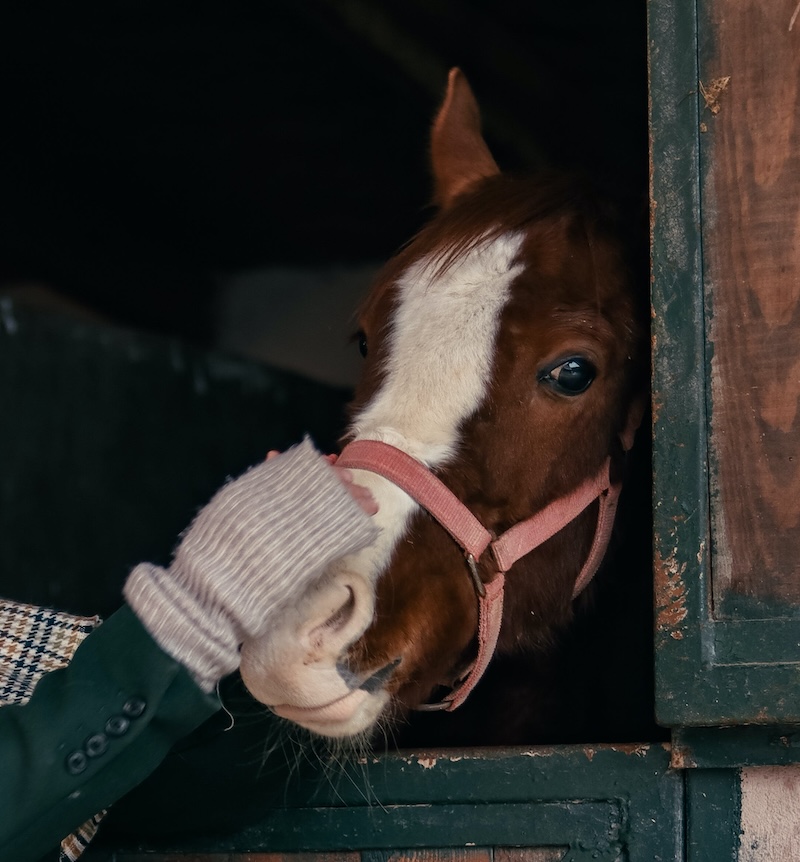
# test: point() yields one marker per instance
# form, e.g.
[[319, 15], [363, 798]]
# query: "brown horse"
[[500, 390]]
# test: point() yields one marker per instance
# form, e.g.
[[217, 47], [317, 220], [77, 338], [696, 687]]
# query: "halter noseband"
[[474, 539]]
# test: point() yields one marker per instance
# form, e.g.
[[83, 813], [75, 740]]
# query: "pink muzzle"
[[474, 539]]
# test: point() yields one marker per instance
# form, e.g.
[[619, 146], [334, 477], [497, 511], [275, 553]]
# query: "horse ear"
[[459, 155], [633, 421]]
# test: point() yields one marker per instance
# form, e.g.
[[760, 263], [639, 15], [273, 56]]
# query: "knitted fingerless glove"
[[257, 546]]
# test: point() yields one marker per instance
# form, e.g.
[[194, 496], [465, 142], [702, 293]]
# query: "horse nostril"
[[372, 683], [342, 616], [339, 621], [379, 678]]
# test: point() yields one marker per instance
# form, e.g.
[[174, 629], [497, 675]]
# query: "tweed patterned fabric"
[[34, 641]]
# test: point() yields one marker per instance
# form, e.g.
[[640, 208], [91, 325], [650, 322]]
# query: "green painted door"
[[562, 804], [726, 363]]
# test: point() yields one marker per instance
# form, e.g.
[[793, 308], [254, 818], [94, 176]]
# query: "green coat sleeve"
[[90, 733]]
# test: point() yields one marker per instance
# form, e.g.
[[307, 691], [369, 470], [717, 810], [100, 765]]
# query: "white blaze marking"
[[440, 351]]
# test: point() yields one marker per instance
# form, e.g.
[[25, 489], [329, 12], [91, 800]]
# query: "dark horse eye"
[[570, 377], [362, 344]]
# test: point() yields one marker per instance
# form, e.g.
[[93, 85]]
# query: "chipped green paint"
[[670, 596], [603, 802], [735, 747], [680, 482]]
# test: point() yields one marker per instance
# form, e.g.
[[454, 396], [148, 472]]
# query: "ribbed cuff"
[[202, 639]]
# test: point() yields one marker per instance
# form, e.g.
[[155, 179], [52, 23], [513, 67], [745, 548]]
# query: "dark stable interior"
[[150, 147]]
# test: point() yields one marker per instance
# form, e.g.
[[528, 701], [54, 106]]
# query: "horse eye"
[[570, 377], [362, 344]]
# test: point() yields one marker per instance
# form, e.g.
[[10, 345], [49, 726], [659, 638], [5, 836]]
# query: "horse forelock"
[[505, 204]]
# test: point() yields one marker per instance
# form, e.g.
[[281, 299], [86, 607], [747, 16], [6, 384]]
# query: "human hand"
[[254, 549], [361, 494]]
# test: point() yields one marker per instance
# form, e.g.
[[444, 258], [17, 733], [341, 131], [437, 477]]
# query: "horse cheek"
[[426, 614]]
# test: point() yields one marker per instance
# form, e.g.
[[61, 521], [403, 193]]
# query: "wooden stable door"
[[725, 93]]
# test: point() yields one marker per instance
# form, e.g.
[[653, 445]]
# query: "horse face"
[[498, 348]]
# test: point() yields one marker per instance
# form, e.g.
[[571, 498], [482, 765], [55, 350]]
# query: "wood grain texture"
[[750, 139]]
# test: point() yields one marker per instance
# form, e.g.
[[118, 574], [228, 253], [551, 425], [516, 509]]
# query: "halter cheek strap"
[[474, 539]]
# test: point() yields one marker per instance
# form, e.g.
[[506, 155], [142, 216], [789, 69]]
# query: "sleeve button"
[[76, 762], [134, 707], [96, 745], [117, 725]]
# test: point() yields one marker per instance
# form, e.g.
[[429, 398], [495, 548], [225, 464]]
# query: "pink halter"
[[419, 483]]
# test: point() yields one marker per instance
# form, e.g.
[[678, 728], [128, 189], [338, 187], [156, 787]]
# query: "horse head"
[[502, 355]]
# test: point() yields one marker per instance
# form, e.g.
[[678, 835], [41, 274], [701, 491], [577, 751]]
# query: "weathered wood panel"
[[750, 140], [725, 209]]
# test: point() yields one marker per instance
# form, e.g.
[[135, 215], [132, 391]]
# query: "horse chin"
[[354, 714], [325, 705]]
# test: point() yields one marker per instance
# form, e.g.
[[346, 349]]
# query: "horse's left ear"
[[459, 155]]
